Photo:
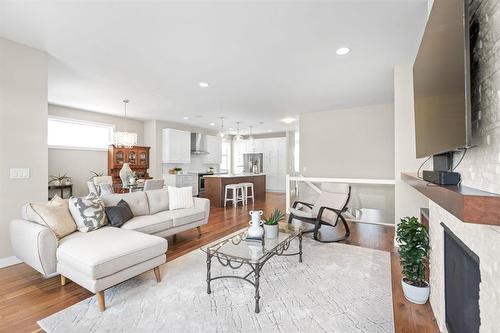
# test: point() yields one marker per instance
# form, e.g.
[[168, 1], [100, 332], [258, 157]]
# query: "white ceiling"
[[263, 60]]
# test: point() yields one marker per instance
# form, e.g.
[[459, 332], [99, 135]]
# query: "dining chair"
[[153, 184]]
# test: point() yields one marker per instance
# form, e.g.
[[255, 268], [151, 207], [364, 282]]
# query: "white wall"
[[351, 143], [407, 201], [78, 163], [23, 131]]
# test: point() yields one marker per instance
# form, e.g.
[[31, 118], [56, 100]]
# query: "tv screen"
[[441, 81]]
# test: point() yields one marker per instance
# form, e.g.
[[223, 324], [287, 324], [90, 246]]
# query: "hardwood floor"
[[26, 297]]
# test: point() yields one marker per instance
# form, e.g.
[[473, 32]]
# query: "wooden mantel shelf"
[[468, 204]]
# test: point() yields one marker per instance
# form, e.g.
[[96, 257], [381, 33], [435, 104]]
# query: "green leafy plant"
[[274, 218], [413, 241], [58, 178], [96, 174]]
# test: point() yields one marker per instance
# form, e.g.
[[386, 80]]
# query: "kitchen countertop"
[[226, 175]]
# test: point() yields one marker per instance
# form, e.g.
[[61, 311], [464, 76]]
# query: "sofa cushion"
[[137, 201], [182, 216], [149, 224], [88, 212], [119, 214], [108, 250], [158, 200]]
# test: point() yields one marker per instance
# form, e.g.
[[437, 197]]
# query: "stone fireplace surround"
[[484, 241]]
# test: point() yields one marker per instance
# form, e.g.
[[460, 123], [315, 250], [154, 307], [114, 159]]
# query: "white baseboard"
[[9, 261]]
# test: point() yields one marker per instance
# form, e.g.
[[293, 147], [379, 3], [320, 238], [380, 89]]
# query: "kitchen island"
[[215, 184]]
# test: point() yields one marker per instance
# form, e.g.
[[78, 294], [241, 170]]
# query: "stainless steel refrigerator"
[[253, 163]]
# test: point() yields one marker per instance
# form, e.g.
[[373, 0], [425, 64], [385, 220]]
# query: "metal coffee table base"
[[233, 263]]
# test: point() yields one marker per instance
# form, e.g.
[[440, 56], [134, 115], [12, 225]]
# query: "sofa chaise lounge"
[[102, 258]]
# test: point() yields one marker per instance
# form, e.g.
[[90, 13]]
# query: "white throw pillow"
[[54, 215], [88, 212], [180, 197]]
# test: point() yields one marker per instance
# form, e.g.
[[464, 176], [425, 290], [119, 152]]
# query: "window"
[[77, 134], [225, 156]]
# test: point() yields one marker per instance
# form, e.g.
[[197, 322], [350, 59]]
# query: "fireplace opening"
[[462, 278]]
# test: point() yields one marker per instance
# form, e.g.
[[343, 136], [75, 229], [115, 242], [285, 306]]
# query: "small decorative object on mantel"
[[413, 241], [255, 230], [125, 174], [271, 227], [60, 180]]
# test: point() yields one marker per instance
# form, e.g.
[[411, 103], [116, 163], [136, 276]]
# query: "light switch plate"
[[19, 173]]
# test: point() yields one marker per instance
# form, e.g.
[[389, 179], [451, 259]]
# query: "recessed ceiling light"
[[203, 84], [269, 131], [343, 50], [288, 120], [186, 118], [212, 124]]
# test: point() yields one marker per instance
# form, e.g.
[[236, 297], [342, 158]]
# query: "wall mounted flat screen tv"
[[441, 81]]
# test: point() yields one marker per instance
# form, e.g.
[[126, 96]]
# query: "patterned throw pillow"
[[54, 214], [105, 189], [88, 212]]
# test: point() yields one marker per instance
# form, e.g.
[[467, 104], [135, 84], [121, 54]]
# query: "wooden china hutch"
[[136, 156]]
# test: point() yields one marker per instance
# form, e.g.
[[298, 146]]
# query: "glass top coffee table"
[[236, 252]]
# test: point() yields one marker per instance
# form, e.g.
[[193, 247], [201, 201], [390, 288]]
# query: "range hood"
[[198, 144]]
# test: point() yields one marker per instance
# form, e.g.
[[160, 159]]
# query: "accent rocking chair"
[[327, 210]]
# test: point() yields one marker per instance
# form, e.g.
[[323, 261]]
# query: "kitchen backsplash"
[[195, 165]]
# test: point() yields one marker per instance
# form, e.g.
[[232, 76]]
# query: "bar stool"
[[236, 197], [247, 186]]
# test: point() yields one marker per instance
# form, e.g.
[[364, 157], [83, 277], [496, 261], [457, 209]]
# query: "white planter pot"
[[271, 231], [417, 295]]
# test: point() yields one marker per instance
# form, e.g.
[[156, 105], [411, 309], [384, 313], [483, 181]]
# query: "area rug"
[[337, 288]]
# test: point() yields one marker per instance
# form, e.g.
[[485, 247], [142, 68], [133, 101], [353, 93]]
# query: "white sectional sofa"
[[107, 256]]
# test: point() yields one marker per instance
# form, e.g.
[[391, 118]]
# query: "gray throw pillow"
[[88, 212], [119, 214]]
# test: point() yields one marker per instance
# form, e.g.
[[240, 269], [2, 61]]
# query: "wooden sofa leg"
[[101, 300], [157, 274], [63, 280], [199, 231]]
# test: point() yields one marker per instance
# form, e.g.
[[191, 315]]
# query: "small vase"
[[125, 174], [271, 230]]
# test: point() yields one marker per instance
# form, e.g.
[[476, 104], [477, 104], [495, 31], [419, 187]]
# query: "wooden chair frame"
[[318, 222]]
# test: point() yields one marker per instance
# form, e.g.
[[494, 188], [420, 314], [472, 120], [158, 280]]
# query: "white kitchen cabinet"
[[176, 146], [214, 149], [274, 162], [182, 180]]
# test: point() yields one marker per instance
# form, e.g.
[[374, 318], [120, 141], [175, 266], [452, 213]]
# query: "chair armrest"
[[336, 211], [302, 203], [203, 204], [34, 244]]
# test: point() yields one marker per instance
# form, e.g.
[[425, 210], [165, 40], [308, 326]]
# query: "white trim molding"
[[9, 261]]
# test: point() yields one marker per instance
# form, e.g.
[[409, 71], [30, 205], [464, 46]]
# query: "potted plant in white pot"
[[271, 227], [413, 241]]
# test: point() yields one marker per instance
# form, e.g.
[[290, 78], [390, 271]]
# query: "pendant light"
[[251, 140], [221, 132], [125, 139], [237, 137]]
